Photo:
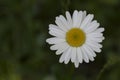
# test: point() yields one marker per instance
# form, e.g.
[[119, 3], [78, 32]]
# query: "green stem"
[[106, 66], [102, 71]]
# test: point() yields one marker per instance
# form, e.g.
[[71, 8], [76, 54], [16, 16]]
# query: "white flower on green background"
[[76, 38]]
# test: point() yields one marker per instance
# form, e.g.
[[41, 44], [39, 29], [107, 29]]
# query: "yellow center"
[[75, 37]]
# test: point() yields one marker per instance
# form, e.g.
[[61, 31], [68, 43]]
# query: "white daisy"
[[76, 38]]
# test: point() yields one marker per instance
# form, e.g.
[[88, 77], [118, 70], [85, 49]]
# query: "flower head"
[[76, 37]]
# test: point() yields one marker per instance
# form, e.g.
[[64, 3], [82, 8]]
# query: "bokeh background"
[[24, 54]]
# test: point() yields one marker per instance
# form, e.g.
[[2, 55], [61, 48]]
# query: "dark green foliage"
[[24, 54]]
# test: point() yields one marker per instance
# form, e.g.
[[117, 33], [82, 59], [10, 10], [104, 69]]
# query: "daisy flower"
[[76, 38]]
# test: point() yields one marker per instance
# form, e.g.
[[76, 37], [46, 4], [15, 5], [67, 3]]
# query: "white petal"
[[98, 39], [53, 26], [57, 46], [92, 23], [57, 34], [84, 15], [95, 35], [60, 25], [91, 58], [103, 38], [85, 57], [76, 63], [79, 19], [62, 57], [79, 54], [55, 40], [88, 25], [75, 18], [68, 55], [69, 19], [62, 49], [73, 54], [64, 21], [87, 20], [57, 31], [95, 48], [94, 44], [89, 54], [92, 27], [99, 30], [91, 51]]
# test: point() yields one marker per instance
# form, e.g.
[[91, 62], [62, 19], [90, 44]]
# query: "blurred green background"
[[24, 54]]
